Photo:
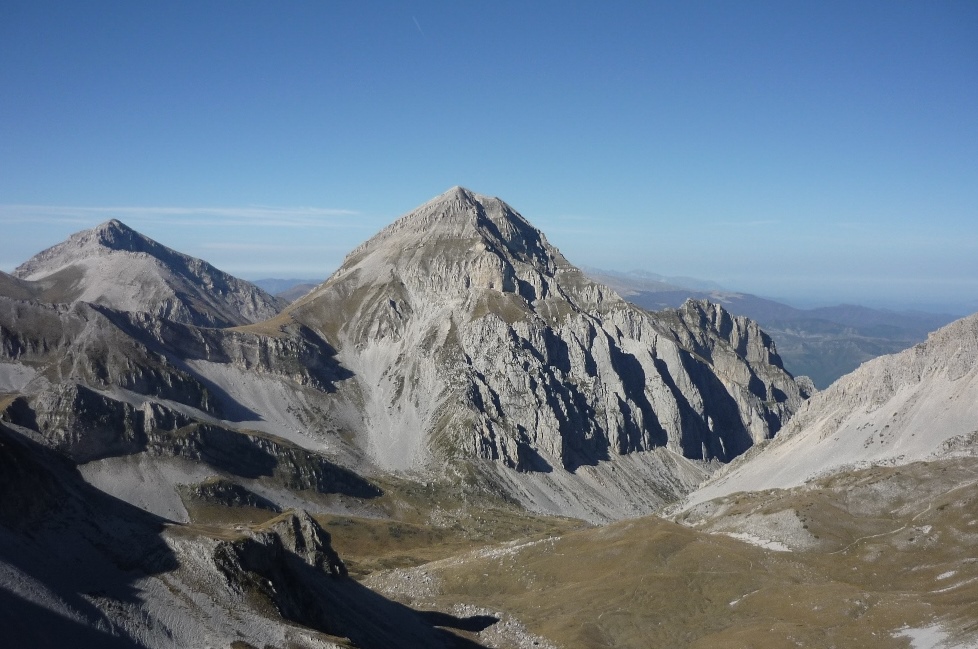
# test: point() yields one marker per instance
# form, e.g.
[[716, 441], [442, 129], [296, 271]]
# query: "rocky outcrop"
[[253, 455], [274, 564], [84, 344], [115, 266], [289, 563], [263, 551], [88, 425], [223, 492]]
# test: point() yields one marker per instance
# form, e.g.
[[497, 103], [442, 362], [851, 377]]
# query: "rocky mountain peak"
[[461, 221], [469, 336], [110, 235], [116, 266], [116, 235]]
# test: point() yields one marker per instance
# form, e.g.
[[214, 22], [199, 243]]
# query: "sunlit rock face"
[[469, 335], [456, 343], [918, 405]]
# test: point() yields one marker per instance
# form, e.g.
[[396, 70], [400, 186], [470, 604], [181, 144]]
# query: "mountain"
[[287, 289], [115, 266], [918, 405], [379, 464], [473, 342], [822, 343], [854, 526]]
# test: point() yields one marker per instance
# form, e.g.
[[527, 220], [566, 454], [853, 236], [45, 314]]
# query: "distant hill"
[[822, 343], [289, 290]]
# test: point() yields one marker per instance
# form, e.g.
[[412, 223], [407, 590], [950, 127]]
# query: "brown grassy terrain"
[[886, 549], [411, 524]]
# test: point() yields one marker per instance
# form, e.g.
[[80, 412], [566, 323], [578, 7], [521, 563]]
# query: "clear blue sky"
[[821, 151]]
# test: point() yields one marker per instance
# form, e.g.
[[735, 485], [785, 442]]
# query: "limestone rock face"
[[115, 266], [469, 335]]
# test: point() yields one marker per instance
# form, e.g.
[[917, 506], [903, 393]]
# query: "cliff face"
[[469, 335]]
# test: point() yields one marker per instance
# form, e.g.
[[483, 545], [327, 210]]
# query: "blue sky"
[[817, 151]]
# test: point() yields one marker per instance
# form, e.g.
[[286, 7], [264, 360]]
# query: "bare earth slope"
[[116, 266]]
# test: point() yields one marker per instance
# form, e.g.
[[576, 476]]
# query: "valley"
[[458, 439]]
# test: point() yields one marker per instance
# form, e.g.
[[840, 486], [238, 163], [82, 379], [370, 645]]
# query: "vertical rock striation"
[[470, 336]]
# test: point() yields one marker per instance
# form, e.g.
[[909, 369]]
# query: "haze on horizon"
[[821, 154]]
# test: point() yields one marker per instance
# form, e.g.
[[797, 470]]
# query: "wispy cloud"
[[749, 224], [268, 247], [258, 215]]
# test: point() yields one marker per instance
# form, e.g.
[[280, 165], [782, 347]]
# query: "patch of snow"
[[758, 541], [957, 585]]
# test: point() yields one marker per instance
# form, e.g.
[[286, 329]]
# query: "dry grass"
[[896, 547]]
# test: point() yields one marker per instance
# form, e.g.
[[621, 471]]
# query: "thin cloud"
[[267, 247], [175, 215], [749, 224]]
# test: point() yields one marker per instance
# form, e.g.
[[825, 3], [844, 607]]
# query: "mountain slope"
[[920, 404], [470, 338], [115, 266]]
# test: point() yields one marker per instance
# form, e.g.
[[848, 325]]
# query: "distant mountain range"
[[289, 290], [822, 343]]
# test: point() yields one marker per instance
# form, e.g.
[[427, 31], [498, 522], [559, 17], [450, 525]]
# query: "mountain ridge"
[[823, 343], [916, 405]]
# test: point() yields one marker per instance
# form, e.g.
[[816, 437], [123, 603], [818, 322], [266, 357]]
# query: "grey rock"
[[469, 336], [115, 266]]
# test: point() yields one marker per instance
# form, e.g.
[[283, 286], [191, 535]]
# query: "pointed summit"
[[118, 267], [117, 235], [460, 237]]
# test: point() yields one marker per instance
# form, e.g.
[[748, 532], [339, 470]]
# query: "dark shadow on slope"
[[474, 623], [253, 455], [633, 379], [729, 427], [72, 538], [333, 604], [695, 432], [25, 624]]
